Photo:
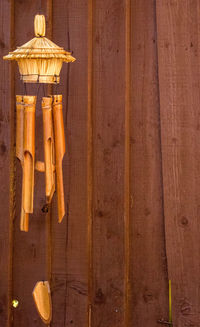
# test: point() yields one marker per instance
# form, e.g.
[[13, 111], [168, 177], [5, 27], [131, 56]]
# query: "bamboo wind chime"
[[40, 61]]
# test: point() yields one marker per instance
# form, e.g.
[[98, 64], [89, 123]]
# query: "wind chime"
[[40, 61]]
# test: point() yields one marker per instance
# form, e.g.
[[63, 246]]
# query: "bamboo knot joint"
[[39, 25]]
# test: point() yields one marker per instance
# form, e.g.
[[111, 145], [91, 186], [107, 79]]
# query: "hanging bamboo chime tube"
[[59, 152], [49, 159], [29, 153], [20, 152], [19, 127]]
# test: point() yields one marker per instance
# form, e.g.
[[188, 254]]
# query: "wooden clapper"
[[42, 299], [40, 61]]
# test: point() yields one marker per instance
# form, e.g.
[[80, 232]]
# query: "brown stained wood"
[[178, 64], [7, 164], [48, 139], [108, 114], [113, 161], [42, 299], [127, 95], [59, 153], [30, 250], [148, 301], [70, 257]]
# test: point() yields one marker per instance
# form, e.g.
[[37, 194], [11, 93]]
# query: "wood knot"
[[2, 149], [148, 296], [184, 221], [147, 212], [99, 213], [99, 297], [185, 308]]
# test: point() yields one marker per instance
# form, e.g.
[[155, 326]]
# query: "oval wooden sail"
[[42, 299], [59, 152]]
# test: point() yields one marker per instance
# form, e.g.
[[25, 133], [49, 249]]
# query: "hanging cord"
[[56, 88], [25, 89], [43, 87], [38, 90]]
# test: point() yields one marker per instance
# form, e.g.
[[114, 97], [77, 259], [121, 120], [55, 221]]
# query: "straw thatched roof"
[[40, 48], [39, 56]]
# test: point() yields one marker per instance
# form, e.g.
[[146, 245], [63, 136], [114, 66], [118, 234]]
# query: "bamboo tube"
[[29, 153], [42, 299], [19, 152], [49, 160], [59, 152], [19, 128]]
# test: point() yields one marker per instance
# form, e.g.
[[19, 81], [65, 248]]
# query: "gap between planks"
[[89, 158]]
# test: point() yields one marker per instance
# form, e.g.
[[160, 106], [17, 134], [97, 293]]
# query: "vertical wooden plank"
[[30, 261], [7, 164], [108, 163], [70, 253], [148, 268], [77, 260], [178, 54], [127, 162], [59, 231]]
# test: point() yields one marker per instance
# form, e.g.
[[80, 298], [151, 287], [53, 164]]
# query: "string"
[[25, 90], [43, 89], [38, 89]]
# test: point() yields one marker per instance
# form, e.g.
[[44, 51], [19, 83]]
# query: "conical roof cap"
[[40, 47], [40, 60]]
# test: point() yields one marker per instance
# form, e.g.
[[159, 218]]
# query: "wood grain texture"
[[7, 164], [59, 231], [69, 261], [178, 54], [148, 266], [131, 171], [108, 118]]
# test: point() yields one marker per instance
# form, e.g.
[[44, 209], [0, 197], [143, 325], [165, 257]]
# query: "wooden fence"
[[132, 167]]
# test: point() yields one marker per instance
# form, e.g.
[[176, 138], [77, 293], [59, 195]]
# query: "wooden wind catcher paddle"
[[40, 61]]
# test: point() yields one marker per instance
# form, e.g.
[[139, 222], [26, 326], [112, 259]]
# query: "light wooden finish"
[[42, 299], [19, 127], [29, 157], [20, 152], [59, 152], [48, 147], [40, 166]]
